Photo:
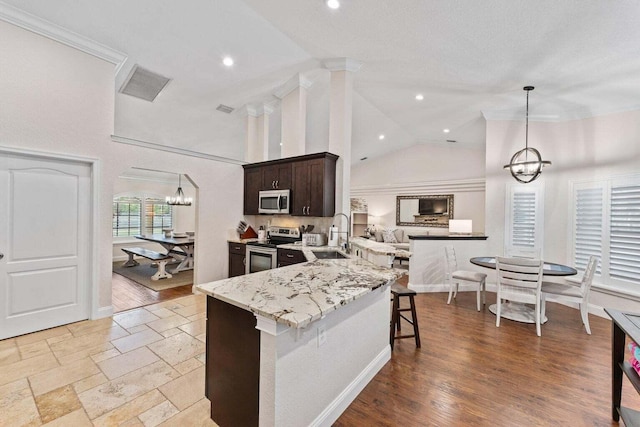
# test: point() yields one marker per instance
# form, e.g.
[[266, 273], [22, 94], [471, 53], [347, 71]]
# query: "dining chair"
[[519, 280], [454, 276], [571, 292]]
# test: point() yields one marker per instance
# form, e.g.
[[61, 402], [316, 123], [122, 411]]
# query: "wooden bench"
[[153, 256]]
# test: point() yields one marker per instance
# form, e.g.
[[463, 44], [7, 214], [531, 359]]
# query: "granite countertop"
[[299, 294], [380, 247]]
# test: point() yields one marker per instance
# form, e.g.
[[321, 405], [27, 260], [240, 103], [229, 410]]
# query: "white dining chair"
[[573, 292], [454, 276], [519, 280]]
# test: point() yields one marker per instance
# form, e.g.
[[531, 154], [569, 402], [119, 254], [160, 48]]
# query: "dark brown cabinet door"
[[252, 186], [277, 177], [290, 257], [314, 187], [300, 188], [237, 254]]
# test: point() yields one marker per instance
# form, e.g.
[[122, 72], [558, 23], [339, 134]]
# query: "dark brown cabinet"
[[276, 177], [237, 259], [290, 257], [311, 179], [252, 187], [314, 187]]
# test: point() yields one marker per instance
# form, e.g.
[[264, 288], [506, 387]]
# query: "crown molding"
[[424, 187], [175, 150], [342, 64], [292, 84], [256, 110], [54, 32]]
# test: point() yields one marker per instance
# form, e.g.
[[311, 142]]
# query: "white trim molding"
[[175, 150], [292, 84], [342, 64], [53, 31], [427, 187]]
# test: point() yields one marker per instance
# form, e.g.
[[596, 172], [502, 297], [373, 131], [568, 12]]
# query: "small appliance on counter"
[[314, 239], [262, 233]]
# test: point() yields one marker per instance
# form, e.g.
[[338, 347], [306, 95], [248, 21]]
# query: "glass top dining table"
[[517, 311]]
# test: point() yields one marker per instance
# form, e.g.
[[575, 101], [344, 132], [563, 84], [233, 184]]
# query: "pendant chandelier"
[[178, 199], [526, 165]]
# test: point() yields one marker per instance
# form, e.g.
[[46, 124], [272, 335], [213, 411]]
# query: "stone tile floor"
[[141, 367]]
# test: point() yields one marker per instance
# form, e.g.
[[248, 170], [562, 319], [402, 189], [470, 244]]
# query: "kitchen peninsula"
[[427, 266], [295, 345]]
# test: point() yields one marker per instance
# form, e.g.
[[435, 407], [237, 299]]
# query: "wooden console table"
[[624, 324]]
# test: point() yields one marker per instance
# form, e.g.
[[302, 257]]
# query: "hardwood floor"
[[470, 373], [127, 294]]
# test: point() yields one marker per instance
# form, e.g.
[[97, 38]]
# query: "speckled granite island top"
[[299, 294]]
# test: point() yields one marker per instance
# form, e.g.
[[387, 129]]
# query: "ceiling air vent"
[[144, 84], [224, 108]]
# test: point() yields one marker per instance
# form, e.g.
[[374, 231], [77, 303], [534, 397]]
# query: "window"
[[524, 221], [128, 220], [606, 223]]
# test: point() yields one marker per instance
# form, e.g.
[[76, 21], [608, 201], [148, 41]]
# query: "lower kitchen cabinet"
[[237, 259], [290, 257]]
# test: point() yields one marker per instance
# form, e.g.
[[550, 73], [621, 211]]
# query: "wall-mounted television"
[[433, 206]]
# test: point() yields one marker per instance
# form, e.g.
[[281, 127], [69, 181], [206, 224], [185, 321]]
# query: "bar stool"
[[397, 292]]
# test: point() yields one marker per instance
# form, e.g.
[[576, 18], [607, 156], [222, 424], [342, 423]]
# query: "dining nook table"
[[520, 312], [178, 247]]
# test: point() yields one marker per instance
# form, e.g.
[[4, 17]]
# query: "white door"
[[45, 212]]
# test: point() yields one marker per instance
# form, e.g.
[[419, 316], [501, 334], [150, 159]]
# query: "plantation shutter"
[[157, 216], [523, 229], [588, 225], [125, 220], [624, 250]]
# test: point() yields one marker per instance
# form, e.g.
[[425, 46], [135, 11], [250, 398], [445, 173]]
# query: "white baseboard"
[[348, 395]]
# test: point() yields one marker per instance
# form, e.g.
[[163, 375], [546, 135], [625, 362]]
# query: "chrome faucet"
[[348, 248]]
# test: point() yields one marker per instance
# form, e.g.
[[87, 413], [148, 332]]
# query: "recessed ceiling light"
[[446, 130], [381, 136], [333, 4], [281, 144], [228, 61], [419, 97]]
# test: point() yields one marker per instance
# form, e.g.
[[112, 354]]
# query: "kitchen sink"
[[328, 255]]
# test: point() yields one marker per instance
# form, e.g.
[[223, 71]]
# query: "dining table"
[[184, 252], [517, 311]]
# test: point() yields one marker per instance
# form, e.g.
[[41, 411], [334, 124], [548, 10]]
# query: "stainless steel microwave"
[[274, 202]]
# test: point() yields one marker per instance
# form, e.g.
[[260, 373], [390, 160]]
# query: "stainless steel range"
[[264, 255]]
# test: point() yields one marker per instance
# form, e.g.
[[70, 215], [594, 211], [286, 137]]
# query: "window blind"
[[588, 225], [523, 227], [157, 215], [624, 250], [126, 216]]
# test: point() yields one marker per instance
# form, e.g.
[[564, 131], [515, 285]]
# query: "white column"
[[340, 122], [257, 143], [294, 115]]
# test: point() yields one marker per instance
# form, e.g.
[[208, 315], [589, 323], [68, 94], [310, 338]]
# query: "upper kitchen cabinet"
[[311, 179], [313, 191], [276, 177]]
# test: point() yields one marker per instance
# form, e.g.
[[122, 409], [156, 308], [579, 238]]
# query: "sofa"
[[402, 238]]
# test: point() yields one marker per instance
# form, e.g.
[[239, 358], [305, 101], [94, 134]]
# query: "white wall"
[[59, 100], [423, 169], [580, 150]]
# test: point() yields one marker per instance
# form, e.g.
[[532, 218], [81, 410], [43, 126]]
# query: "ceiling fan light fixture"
[[526, 165]]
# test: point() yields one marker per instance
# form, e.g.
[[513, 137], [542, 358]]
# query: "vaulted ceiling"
[[469, 59]]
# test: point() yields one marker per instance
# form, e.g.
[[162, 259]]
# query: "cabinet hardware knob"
[[277, 183], [1, 255]]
